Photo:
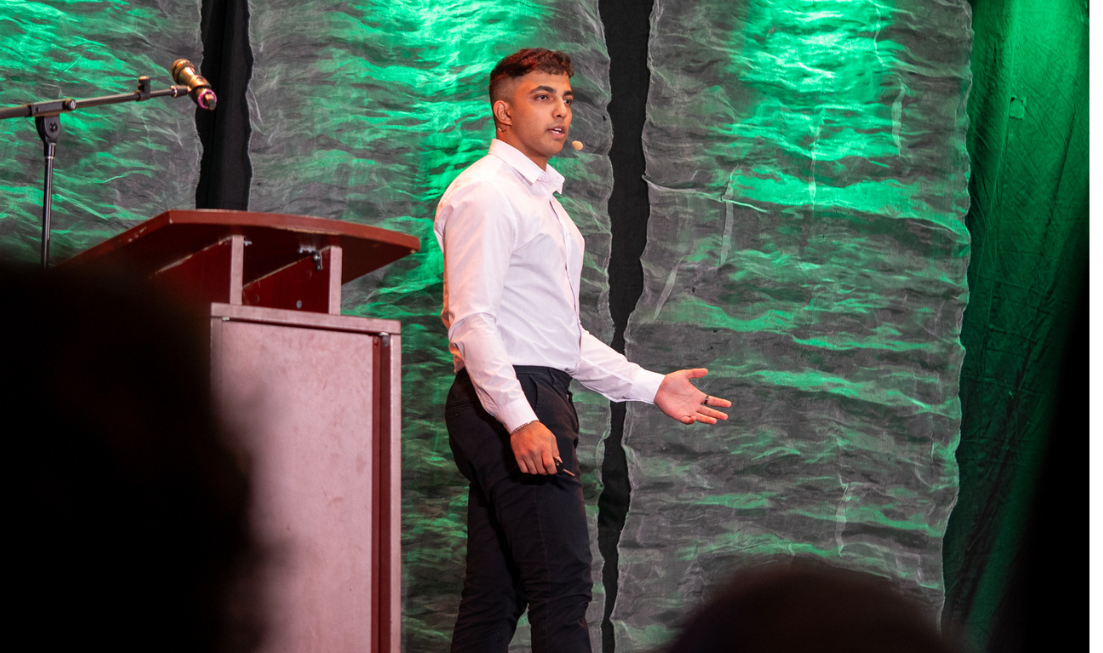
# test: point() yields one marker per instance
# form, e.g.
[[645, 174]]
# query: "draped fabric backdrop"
[[116, 165], [807, 171], [389, 106], [1023, 385], [808, 240]]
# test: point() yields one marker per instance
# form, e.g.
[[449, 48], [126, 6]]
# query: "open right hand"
[[535, 448], [680, 399]]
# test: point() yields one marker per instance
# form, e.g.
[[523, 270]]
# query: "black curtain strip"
[[224, 170], [627, 26]]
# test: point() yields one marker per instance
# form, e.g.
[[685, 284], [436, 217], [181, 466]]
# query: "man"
[[512, 264]]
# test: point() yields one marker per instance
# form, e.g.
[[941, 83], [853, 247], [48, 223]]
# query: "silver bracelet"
[[523, 426]]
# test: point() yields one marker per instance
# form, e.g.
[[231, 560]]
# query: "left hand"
[[535, 448], [680, 399]]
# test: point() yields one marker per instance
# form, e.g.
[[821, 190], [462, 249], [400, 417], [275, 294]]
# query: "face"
[[538, 117]]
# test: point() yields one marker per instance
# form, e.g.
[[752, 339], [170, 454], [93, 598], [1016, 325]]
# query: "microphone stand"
[[47, 119]]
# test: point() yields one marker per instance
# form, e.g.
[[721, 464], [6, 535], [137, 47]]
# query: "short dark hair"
[[525, 61]]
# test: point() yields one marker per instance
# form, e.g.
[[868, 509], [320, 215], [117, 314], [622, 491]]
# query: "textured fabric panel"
[[807, 173], [115, 165], [1028, 143], [365, 112]]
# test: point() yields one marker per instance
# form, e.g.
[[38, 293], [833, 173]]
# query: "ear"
[[503, 113]]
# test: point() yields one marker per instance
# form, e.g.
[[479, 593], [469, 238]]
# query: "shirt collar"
[[549, 178]]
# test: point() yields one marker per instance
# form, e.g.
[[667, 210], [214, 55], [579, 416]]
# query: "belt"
[[558, 377]]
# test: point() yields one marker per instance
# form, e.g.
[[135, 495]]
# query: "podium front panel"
[[316, 399]]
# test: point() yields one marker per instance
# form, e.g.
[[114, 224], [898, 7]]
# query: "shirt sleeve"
[[604, 370], [477, 227]]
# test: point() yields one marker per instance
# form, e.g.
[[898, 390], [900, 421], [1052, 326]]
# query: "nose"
[[561, 108]]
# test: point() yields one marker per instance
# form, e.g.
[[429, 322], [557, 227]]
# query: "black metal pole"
[[49, 130], [47, 203]]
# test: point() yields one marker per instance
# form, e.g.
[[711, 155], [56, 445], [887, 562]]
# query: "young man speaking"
[[512, 263]]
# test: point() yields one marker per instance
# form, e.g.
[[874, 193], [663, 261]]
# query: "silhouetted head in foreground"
[[804, 607], [128, 527]]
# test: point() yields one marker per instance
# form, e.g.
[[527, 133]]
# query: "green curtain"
[[1028, 144], [807, 176], [115, 165], [366, 112]]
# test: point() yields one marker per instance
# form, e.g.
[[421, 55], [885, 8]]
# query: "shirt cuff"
[[516, 414], [646, 385]]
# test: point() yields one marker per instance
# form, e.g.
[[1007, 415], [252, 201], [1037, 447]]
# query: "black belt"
[[558, 377]]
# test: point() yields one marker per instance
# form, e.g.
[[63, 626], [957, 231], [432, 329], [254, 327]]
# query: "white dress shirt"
[[512, 265]]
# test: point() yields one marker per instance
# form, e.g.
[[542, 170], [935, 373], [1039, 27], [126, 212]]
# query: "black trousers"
[[527, 544]]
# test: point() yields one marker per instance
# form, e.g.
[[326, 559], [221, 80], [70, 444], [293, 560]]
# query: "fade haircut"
[[523, 62]]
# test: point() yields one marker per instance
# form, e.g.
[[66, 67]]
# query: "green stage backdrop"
[[1028, 141], [808, 187], [388, 106], [807, 171], [807, 243], [116, 165]]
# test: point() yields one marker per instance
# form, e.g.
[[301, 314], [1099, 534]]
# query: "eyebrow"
[[548, 89]]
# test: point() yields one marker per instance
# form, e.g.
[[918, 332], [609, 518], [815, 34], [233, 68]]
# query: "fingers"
[[716, 414], [706, 415], [535, 449], [716, 401], [550, 455], [549, 462], [710, 418], [683, 401], [542, 466], [537, 461]]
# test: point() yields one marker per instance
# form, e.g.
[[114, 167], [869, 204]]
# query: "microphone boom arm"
[[65, 105], [47, 118]]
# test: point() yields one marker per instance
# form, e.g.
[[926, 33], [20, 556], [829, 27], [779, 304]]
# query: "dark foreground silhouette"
[[804, 607], [128, 505]]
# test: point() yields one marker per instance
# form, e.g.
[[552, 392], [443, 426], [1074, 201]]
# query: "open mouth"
[[558, 132]]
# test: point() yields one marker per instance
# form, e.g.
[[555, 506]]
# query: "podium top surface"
[[273, 240]]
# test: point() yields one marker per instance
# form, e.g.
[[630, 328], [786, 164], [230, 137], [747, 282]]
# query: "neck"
[[507, 137]]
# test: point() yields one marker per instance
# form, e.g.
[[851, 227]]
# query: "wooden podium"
[[316, 397]]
